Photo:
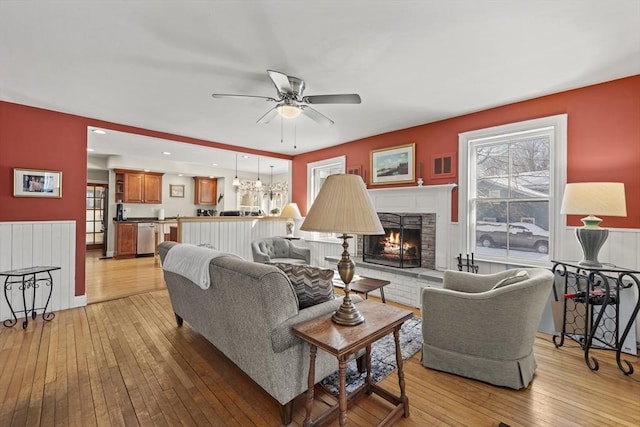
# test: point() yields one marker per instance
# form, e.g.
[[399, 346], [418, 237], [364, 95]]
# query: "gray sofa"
[[278, 249], [478, 329], [247, 313]]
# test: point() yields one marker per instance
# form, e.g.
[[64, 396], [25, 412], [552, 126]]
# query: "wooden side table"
[[343, 341], [364, 285]]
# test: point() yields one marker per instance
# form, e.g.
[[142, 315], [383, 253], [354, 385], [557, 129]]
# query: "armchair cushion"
[[518, 277], [313, 285]]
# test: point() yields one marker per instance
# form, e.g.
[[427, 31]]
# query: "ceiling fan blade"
[[268, 116], [316, 116], [352, 98], [281, 82], [226, 95]]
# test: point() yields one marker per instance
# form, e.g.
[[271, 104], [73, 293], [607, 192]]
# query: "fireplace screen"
[[400, 246]]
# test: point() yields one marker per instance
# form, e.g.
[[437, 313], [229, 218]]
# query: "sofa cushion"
[[518, 277], [313, 285]]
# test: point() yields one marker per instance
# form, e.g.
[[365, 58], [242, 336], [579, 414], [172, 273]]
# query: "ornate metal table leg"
[[634, 314], [564, 274], [48, 316], [368, 363], [9, 323], [23, 288]]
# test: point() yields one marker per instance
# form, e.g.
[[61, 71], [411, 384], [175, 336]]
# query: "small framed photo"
[[393, 165], [176, 190], [37, 183]]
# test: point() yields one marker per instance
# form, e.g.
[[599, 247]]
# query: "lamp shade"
[[291, 211], [343, 206], [594, 198]]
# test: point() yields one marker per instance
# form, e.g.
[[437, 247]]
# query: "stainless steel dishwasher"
[[146, 238]]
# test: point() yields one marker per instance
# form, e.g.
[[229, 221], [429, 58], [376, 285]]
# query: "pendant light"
[[271, 184], [236, 181], [258, 182]]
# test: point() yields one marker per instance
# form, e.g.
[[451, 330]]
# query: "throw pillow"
[[518, 277], [313, 285]]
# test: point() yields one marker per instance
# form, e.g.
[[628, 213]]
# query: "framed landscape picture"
[[37, 183], [393, 165], [176, 190]]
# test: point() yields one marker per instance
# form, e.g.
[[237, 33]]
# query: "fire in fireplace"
[[400, 246]]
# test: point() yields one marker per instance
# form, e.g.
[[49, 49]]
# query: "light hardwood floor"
[[124, 362]]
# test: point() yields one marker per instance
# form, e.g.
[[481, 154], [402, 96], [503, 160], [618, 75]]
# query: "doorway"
[[96, 217]]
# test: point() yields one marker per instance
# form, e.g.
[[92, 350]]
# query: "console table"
[[592, 306], [343, 341], [27, 278]]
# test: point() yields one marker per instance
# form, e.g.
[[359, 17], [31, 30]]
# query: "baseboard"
[[79, 301]]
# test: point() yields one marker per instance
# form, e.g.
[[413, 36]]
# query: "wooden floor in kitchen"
[[109, 278], [123, 362]]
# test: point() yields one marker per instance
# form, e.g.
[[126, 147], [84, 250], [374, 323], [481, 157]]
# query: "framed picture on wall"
[[37, 183], [176, 190], [393, 165]]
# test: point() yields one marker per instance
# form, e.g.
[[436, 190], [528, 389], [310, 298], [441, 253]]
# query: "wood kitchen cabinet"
[[138, 187], [206, 190], [126, 234]]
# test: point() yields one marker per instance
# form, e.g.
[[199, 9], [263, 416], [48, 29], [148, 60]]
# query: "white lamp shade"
[[291, 211], [343, 206], [594, 198]]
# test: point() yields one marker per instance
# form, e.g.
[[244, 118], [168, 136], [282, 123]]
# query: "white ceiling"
[[154, 64]]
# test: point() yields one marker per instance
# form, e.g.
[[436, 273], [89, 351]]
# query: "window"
[[512, 172], [317, 173]]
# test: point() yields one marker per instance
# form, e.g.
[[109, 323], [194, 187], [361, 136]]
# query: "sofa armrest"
[[282, 337], [300, 252]]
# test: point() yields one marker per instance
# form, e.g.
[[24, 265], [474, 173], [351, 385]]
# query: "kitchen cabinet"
[[206, 190], [126, 243], [138, 187]]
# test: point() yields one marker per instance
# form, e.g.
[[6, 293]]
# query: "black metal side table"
[[592, 308], [27, 278]]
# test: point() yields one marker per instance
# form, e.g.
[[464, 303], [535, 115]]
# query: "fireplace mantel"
[[420, 199]]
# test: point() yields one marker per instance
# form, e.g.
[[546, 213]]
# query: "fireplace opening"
[[400, 246]]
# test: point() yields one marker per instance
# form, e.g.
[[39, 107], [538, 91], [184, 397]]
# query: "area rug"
[[383, 358]]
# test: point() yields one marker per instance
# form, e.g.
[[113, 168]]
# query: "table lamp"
[[291, 212], [593, 198], [343, 206]]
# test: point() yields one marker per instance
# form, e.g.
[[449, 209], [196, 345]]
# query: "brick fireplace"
[[409, 241]]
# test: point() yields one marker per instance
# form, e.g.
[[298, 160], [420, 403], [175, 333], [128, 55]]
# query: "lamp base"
[[291, 225], [591, 240], [347, 314]]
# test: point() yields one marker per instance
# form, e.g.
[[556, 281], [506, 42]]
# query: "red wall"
[[603, 141], [41, 139], [604, 144]]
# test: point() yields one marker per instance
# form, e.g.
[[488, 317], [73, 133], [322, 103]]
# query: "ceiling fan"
[[290, 102]]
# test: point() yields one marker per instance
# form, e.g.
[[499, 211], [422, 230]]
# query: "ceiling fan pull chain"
[[295, 136], [281, 129]]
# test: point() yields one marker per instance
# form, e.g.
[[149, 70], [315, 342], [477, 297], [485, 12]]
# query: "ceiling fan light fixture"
[[288, 111]]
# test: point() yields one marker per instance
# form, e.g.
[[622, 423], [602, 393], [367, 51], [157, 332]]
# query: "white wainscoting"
[[229, 235], [28, 244]]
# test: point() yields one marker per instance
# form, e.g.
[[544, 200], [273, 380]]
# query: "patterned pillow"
[[313, 285]]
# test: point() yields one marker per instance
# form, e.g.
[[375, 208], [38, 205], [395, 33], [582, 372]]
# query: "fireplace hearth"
[[400, 246]]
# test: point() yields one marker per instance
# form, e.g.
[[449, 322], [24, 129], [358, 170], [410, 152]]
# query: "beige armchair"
[[277, 249], [483, 326]]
